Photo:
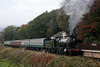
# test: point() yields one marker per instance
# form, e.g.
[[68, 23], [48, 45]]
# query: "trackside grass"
[[21, 57], [6, 63]]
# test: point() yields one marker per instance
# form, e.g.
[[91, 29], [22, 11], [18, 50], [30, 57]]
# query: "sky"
[[18, 12]]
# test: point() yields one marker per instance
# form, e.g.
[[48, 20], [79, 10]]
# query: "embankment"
[[26, 58]]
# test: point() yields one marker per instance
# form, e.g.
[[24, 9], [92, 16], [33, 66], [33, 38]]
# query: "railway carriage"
[[40, 42], [25, 43], [6, 43], [15, 43]]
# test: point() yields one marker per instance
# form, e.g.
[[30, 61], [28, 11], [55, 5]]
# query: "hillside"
[[45, 25]]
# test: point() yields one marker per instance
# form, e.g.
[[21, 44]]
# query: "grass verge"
[[21, 57]]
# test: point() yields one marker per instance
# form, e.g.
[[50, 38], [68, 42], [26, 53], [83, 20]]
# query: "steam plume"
[[75, 9]]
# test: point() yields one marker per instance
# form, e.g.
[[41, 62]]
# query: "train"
[[63, 46]]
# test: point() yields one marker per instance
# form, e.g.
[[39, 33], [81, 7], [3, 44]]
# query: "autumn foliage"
[[90, 23]]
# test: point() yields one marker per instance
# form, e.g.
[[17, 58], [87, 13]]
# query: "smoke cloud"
[[75, 9]]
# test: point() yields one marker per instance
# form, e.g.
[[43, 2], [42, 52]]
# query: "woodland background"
[[50, 23]]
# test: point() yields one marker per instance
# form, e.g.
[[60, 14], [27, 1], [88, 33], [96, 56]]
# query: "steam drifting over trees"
[[88, 29], [75, 9]]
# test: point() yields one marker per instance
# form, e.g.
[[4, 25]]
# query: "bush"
[[63, 61]]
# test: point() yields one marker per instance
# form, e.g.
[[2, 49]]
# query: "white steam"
[[75, 9]]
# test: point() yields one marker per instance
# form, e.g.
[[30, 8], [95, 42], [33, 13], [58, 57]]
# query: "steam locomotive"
[[63, 45]]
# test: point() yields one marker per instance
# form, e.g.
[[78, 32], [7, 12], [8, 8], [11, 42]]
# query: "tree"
[[62, 20], [88, 29], [53, 28], [9, 33], [22, 31]]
